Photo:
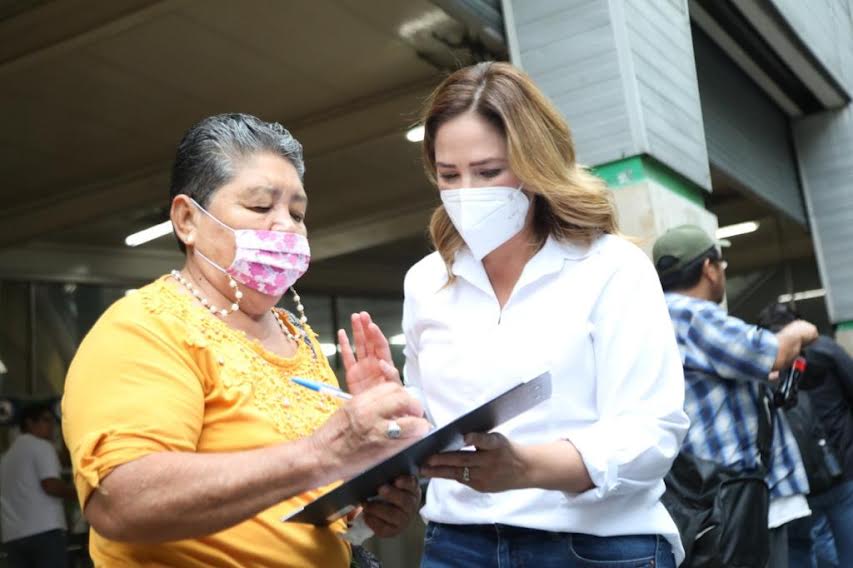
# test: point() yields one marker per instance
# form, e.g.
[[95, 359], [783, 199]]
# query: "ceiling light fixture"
[[149, 234], [738, 229], [804, 295], [399, 339], [415, 134]]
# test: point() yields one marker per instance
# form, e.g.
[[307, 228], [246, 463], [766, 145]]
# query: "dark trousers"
[[41, 550]]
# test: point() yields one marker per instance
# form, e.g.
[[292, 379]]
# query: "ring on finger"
[[466, 474], [393, 430]]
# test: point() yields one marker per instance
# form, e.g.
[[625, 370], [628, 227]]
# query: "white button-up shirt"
[[595, 317]]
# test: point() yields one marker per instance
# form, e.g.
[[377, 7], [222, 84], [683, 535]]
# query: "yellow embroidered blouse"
[[158, 373]]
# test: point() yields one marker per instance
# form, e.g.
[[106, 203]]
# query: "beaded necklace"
[[238, 295]]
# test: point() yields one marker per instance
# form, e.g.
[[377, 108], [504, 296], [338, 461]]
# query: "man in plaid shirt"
[[735, 361]]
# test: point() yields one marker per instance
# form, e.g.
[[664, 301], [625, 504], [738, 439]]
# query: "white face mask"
[[486, 217]]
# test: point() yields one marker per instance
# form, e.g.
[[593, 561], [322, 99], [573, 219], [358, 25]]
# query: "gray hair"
[[209, 153]]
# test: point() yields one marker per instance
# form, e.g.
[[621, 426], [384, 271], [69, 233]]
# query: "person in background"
[[733, 361], [531, 275], [189, 440], [831, 399], [31, 494]]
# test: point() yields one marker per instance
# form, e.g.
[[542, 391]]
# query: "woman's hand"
[[394, 509], [370, 363], [496, 465], [500, 465], [357, 436]]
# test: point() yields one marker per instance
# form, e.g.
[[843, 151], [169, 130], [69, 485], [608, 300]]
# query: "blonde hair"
[[569, 203]]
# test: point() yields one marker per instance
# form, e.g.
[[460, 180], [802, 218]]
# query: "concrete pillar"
[[651, 198], [823, 142], [623, 74], [844, 335], [823, 145]]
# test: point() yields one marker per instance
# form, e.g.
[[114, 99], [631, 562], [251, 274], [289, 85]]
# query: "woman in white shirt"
[[530, 275]]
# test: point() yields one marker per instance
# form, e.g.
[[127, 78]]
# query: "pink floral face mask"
[[267, 261]]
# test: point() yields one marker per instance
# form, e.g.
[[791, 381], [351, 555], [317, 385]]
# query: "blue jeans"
[[503, 546], [826, 554], [811, 544], [836, 506]]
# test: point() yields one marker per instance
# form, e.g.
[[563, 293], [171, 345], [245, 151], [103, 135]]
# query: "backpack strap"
[[764, 436]]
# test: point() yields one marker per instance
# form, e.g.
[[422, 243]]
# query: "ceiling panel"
[[377, 175], [321, 41], [28, 26], [109, 103], [188, 60], [36, 123], [14, 158]]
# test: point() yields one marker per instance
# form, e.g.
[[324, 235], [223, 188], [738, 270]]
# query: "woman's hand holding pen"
[[370, 363], [370, 427], [370, 371]]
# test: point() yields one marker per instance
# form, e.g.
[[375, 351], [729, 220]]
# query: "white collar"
[[547, 260]]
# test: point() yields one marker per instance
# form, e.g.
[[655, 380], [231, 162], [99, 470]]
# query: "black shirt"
[[832, 398]]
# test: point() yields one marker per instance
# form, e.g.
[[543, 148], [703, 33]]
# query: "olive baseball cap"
[[679, 246]]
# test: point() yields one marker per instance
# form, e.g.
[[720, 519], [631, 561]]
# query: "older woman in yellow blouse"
[[189, 440]]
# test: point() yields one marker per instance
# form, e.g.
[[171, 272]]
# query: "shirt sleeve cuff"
[[101, 452], [602, 470]]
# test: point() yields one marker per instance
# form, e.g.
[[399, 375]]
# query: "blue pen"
[[321, 388]]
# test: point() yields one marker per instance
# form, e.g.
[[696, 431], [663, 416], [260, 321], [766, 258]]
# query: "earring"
[[238, 294], [299, 307]]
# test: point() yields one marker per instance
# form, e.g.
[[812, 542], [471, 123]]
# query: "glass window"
[[15, 329], [64, 314]]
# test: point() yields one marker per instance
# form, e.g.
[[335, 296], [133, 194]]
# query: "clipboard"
[[449, 437]]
